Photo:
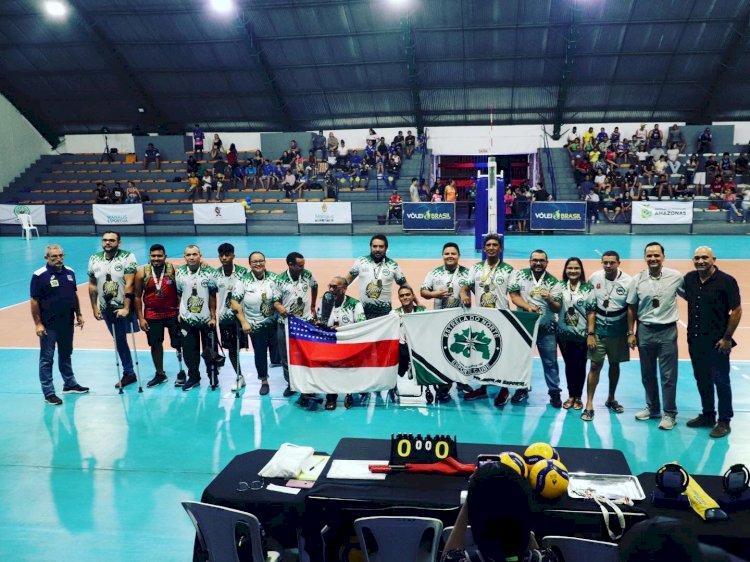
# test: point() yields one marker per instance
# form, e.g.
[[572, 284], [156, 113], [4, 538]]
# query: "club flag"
[[469, 345], [360, 357]]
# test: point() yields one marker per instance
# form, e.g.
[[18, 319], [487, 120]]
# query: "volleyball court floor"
[[102, 476]]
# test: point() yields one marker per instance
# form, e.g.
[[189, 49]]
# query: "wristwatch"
[[590, 334]]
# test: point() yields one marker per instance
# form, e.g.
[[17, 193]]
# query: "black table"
[[733, 535]]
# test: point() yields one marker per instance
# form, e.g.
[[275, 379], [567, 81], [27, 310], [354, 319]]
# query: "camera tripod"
[[106, 154]]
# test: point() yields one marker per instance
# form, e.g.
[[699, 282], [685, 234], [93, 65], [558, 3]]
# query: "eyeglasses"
[[253, 486]]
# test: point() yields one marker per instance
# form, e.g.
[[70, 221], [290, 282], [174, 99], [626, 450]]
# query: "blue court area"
[[102, 477]]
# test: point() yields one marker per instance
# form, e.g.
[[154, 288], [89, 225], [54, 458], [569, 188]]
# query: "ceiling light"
[[222, 6], [141, 110], [55, 8]]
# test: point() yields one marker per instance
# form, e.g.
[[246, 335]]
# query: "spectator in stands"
[[237, 174], [151, 155], [232, 155], [398, 142], [382, 147], [219, 165], [266, 176], [581, 168], [409, 144], [101, 194], [662, 185], [289, 183], [498, 511], [705, 141], [741, 167], [333, 143], [726, 166], [117, 194], [424, 195], [414, 190], [592, 205], [656, 151], [626, 208], [745, 204], [521, 209], [682, 189], [318, 143], [588, 137], [675, 136], [198, 138], [286, 159], [249, 174], [655, 137], [615, 137], [660, 165], [712, 168], [585, 187], [699, 177], [436, 196], [393, 171], [610, 158], [192, 165], [541, 194], [372, 136], [508, 201], [602, 139], [648, 171], [641, 134], [194, 183], [342, 155], [207, 184], [449, 194], [217, 147], [716, 188], [218, 185], [572, 138], [132, 195], [293, 148], [600, 178], [395, 207], [608, 203], [673, 153]]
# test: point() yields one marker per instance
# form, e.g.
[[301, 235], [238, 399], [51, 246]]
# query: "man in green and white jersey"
[[489, 280], [296, 290], [233, 338], [196, 287], [112, 294], [534, 289], [444, 285], [376, 273]]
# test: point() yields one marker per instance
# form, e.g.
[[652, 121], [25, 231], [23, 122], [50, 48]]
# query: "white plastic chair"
[[574, 549], [215, 527], [398, 538], [27, 226], [470, 545]]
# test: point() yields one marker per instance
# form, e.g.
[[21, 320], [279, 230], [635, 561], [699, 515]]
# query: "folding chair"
[[573, 549], [398, 538]]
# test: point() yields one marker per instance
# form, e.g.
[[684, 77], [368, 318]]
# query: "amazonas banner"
[[482, 345], [360, 357]]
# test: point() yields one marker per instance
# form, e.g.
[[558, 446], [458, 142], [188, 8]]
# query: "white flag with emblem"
[[468, 345]]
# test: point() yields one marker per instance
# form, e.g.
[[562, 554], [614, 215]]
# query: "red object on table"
[[448, 466]]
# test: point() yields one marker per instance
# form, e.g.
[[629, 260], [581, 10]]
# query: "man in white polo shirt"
[[652, 302]]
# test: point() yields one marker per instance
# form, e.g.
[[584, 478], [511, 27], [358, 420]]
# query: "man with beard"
[[489, 281], [377, 274]]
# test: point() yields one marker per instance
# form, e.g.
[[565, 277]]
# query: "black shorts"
[[155, 334], [228, 333]]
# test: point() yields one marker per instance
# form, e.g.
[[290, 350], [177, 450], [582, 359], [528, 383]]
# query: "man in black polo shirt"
[[714, 312], [54, 304]]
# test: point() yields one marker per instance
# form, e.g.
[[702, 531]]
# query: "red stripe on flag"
[[343, 355]]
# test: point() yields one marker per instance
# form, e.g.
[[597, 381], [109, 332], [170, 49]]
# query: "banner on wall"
[[118, 214], [218, 213], [9, 214], [429, 216], [662, 212], [558, 215], [324, 213]]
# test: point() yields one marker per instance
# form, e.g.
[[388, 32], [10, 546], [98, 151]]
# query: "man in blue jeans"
[[54, 304], [112, 293]]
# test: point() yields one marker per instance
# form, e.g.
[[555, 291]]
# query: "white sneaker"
[[667, 422], [646, 414], [238, 384]]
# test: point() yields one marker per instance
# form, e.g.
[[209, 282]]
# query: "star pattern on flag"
[[301, 330]]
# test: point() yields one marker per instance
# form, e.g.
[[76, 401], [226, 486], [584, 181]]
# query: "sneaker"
[[480, 392], [702, 420], [502, 397], [288, 392], [443, 396], [125, 381], [646, 414], [667, 422], [190, 383], [463, 387], [239, 383], [159, 378], [264, 389], [721, 429], [348, 401], [76, 389], [53, 400], [180, 380], [555, 400], [520, 395]]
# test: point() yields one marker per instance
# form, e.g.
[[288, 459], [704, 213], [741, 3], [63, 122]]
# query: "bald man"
[[714, 312]]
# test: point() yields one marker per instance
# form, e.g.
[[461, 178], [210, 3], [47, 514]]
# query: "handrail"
[[550, 167]]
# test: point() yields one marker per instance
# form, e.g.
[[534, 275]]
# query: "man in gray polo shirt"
[[652, 302]]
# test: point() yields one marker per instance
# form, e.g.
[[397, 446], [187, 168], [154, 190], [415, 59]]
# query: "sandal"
[[569, 403], [587, 415], [577, 404], [615, 406]]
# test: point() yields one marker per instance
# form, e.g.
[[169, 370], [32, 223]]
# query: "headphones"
[[672, 479]]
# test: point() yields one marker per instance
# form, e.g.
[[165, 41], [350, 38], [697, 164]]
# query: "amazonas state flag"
[[468, 345], [360, 357]]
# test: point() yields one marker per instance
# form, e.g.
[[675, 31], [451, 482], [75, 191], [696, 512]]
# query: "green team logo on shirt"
[[472, 344]]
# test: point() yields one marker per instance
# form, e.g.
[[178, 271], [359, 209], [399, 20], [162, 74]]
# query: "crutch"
[[135, 352], [213, 377], [117, 357], [237, 352]]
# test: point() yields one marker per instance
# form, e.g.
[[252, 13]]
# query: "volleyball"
[[549, 478], [515, 461], [539, 451]]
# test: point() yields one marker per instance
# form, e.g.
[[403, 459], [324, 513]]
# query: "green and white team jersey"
[[376, 282], [417, 308], [295, 295], [351, 311], [110, 277], [440, 278], [225, 286], [490, 284], [523, 282], [257, 297], [400, 312], [611, 303], [195, 289], [576, 305]]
